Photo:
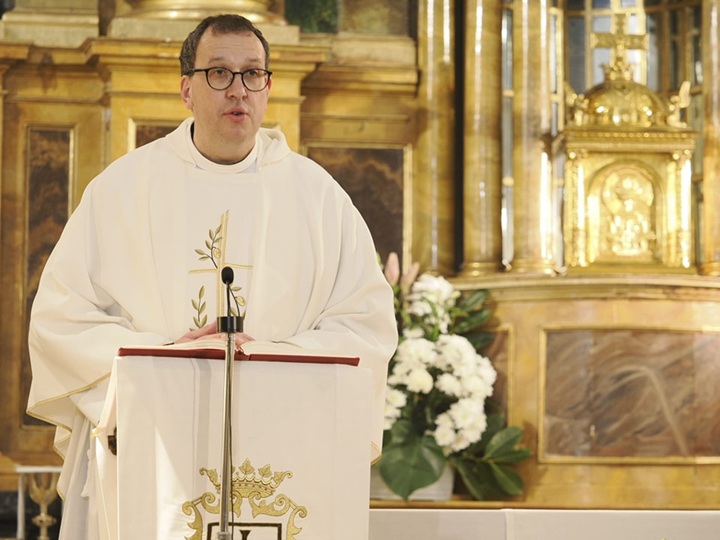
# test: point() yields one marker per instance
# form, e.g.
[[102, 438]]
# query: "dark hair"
[[218, 24]]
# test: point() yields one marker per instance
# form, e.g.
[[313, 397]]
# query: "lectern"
[[301, 450]]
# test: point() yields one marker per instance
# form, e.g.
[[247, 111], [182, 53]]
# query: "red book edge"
[[217, 354]]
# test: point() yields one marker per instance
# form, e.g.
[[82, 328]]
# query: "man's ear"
[[185, 92]]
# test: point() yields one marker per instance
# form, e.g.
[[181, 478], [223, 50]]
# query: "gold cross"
[[216, 254], [619, 42]]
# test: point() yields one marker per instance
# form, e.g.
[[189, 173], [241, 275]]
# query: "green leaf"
[[478, 479], [503, 441], [516, 455], [509, 480], [473, 300], [410, 463], [495, 422], [480, 340], [472, 321]]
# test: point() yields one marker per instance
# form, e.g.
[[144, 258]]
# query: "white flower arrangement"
[[438, 384], [452, 367]]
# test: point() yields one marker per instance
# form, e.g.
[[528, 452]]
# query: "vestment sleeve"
[[75, 328], [357, 318]]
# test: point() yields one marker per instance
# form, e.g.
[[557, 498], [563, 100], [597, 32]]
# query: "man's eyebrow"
[[255, 59]]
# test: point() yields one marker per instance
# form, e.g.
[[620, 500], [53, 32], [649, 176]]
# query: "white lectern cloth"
[[311, 420]]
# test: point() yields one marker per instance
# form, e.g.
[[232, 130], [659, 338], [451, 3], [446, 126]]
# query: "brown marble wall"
[[374, 179], [148, 133], [48, 158], [632, 394]]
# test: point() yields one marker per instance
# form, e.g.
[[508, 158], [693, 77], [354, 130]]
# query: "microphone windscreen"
[[227, 275]]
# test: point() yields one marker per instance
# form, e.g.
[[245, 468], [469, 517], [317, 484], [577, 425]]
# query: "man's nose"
[[237, 88]]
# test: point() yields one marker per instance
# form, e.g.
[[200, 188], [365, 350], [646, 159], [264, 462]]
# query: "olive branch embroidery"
[[199, 305], [213, 253]]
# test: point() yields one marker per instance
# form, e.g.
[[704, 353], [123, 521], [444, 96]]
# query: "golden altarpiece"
[[607, 358], [628, 183]]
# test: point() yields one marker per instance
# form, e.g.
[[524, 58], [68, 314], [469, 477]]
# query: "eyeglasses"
[[220, 78]]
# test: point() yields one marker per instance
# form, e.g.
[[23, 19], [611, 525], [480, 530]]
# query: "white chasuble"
[[138, 264]]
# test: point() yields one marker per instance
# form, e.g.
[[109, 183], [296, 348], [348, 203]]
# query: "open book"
[[257, 351]]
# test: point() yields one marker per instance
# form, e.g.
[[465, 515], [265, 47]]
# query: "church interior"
[[563, 155]]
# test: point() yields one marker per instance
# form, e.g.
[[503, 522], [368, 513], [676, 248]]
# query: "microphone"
[[227, 275], [230, 324], [227, 325]]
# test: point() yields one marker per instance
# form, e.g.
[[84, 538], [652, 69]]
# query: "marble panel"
[[48, 208], [373, 177], [145, 133], [630, 393]]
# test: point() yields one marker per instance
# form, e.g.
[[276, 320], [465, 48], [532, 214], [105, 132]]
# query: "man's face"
[[226, 121]]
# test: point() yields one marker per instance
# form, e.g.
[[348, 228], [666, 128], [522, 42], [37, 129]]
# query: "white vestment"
[[139, 263]]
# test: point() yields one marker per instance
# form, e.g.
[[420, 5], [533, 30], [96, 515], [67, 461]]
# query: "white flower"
[[477, 386], [449, 384], [418, 350], [444, 434], [420, 381], [412, 333], [449, 368], [461, 442], [465, 411], [475, 431], [396, 398], [435, 290]]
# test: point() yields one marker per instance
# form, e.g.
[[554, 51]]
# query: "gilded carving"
[[627, 190], [256, 487], [627, 225]]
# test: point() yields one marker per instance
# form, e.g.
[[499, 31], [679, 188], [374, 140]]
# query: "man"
[[138, 261]]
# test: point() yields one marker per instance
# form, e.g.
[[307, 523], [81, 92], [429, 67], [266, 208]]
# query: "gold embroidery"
[[253, 486], [214, 252]]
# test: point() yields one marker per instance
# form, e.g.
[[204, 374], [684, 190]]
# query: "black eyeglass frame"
[[234, 74]]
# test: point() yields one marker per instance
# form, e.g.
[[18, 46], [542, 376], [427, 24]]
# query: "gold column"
[[711, 134], [434, 171], [175, 19], [255, 10], [532, 194], [482, 184]]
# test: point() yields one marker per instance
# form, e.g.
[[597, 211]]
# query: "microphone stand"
[[228, 325]]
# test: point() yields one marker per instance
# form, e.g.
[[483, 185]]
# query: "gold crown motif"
[[248, 482], [255, 486]]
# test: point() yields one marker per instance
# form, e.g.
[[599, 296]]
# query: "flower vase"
[[440, 490]]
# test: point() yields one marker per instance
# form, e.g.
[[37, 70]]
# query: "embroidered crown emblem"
[[248, 481], [255, 490]]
